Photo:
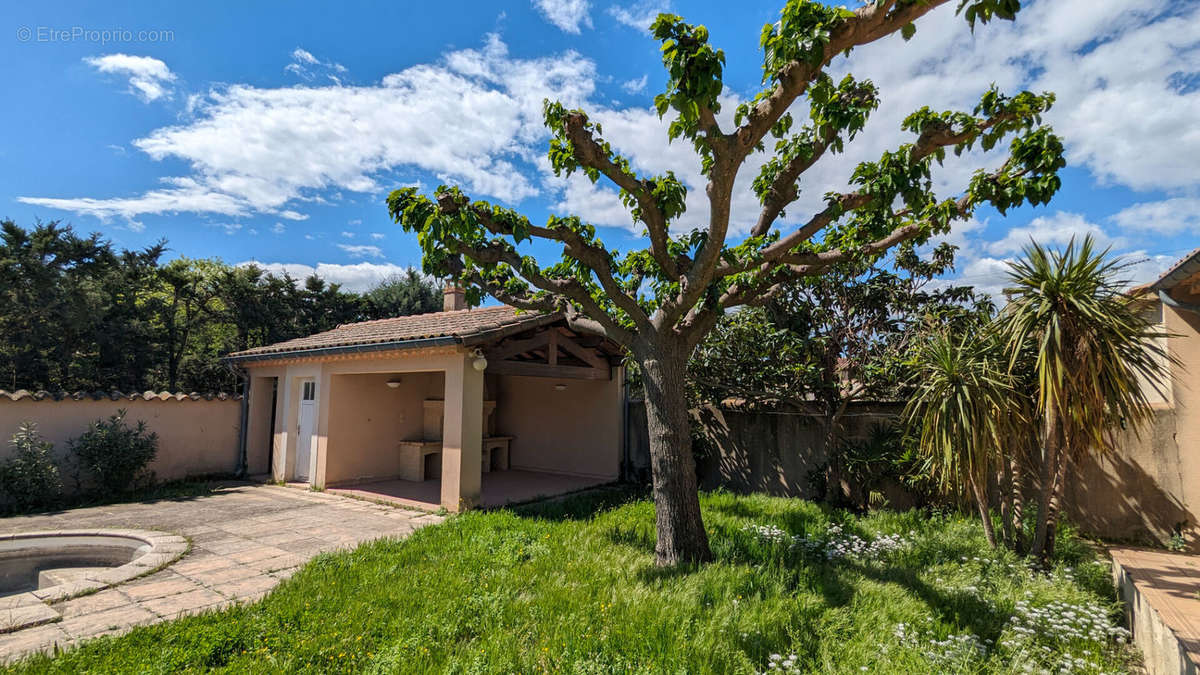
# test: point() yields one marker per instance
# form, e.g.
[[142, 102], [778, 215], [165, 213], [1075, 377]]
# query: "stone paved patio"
[[245, 540], [1161, 591]]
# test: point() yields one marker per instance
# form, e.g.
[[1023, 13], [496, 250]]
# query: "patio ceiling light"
[[480, 362], [394, 382]]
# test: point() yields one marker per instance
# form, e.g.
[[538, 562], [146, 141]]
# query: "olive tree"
[[661, 300]]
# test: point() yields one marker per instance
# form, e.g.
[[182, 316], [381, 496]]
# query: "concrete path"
[[245, 539], [1162, 594]]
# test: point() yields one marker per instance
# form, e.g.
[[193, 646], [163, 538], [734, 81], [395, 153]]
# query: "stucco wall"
[[195, 437], [774, 452], [573, 431], [367, 419], [1152, 484]]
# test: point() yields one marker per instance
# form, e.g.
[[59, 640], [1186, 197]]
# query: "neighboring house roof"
[[464, 326], [1181, 271]]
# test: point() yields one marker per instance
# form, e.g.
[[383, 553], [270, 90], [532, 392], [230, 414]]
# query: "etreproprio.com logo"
[[96, 35]]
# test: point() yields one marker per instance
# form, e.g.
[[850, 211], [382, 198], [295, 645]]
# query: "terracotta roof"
[[42, 395], [1185, 268], [462, 325]]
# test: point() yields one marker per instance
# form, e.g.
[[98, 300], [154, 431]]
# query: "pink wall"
[[574, 431], [195, 437], [367, 419]]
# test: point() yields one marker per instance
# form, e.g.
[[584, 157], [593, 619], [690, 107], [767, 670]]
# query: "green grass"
[[572, 587]]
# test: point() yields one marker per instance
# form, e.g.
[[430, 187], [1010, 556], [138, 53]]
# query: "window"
[[310, 391]]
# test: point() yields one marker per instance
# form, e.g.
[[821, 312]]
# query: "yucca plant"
[[961, 412], [1070, 324]]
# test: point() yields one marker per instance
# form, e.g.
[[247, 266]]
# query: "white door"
[[304, 437]]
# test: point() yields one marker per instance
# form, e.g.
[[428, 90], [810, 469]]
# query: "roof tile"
[[461, 323]]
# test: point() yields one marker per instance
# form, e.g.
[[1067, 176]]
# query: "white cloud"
[[292, 215], [348, 235], [639, 15], [1054, 230], [148, 76], [356, 277], [471, 119], [309, 68], [378, 236], [568, 15], [1170, 216], [636, 86], [278, 228], [361, 251], [229, 228]]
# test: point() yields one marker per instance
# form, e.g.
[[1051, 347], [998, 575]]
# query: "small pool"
[[59, 564], [30, 563], [39, 569]]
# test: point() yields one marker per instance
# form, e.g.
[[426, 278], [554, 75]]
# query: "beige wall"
[[573, 431], [1152, 483], [194, 437], [367, 419]]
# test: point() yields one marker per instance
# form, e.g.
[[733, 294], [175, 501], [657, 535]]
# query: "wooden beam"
[[586, 355], [546, 370], [552, 348], [515, 347]]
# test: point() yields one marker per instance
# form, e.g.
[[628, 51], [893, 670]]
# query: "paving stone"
[[116, 618], [202, 562], [225, 575], [256, 554], [90, 604], [173, 604], [26, 616], [38, 639], [157, 588], [248, 587]]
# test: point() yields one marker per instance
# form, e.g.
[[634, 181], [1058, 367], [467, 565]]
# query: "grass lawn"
[[572, 587]]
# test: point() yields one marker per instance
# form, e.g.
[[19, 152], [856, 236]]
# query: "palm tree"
[[961, 411], [1089, 351]]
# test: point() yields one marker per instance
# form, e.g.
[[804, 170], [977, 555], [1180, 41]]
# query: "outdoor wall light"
[[480, 362], [560, 387], [394, 382]]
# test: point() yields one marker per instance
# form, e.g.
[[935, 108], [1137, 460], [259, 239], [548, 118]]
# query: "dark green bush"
[[29, 478], [115, 455]]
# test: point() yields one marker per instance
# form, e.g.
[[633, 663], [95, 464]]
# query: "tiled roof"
[[41, 395], [1185, 268], [462, 324]]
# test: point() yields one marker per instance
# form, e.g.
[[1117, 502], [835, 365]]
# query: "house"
[[457, 408], [1149, 489]]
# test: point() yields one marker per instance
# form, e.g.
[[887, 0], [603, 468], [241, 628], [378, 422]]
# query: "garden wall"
[[197, 435], [1139, 493], [758, 451]]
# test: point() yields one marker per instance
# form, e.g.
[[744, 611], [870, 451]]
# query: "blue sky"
[[273, 131]]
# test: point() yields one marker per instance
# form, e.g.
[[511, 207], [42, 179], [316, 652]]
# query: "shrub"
[[115, 454], [29, 478]]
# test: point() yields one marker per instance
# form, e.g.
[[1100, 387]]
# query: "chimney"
[[453, 297]]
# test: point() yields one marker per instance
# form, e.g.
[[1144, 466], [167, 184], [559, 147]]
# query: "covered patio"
[[455, 409]]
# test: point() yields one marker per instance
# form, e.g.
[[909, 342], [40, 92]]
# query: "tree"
[[659, 302], [961, 411], [836, 338], [1088, 351], [402, 295]]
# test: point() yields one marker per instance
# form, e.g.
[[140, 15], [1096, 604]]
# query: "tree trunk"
[[1056, 491], [681, 535], [1006, 502], [1018, 507], [1051, 448], [985, 513]]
